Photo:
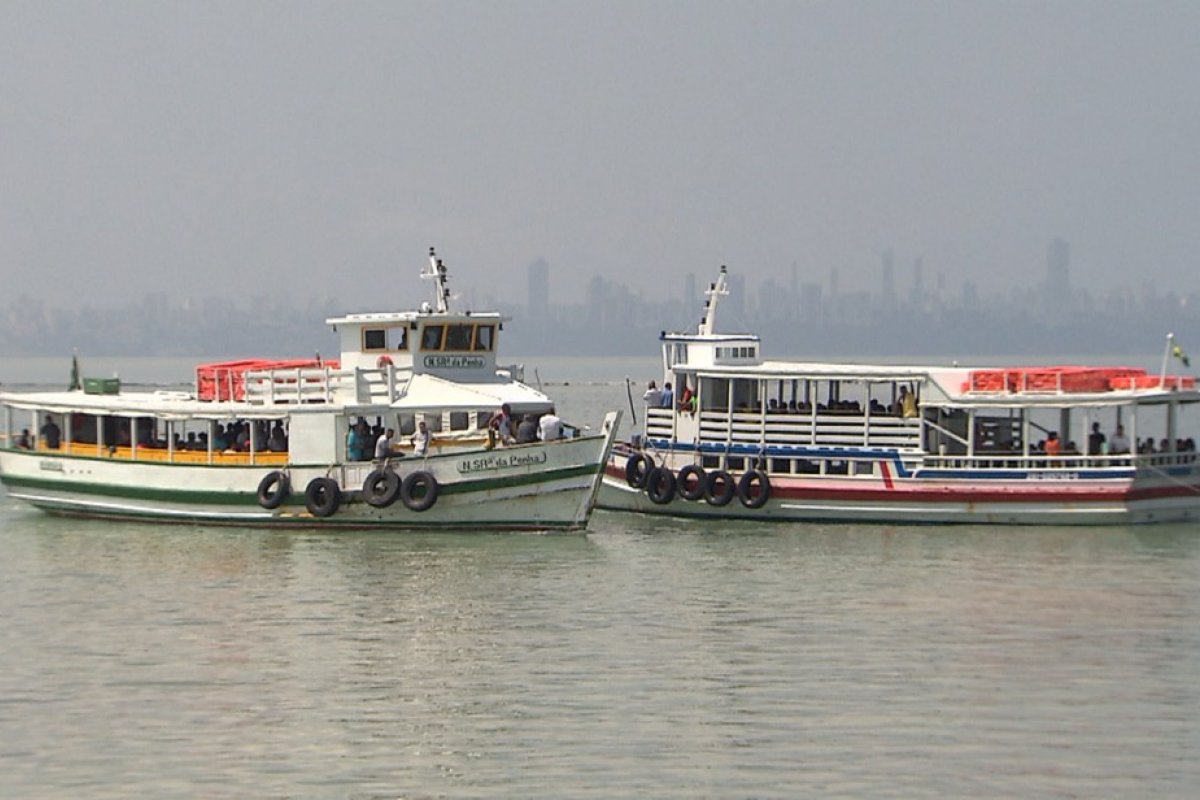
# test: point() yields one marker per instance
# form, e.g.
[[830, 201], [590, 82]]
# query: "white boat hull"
[[548, 486], [1140, 498]]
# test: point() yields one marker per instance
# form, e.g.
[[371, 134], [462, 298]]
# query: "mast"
[[712, 293], [441, 292]]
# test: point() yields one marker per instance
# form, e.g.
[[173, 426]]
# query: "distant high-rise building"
[[888, 282], [690, 299], [916, 295], [1058, 277], [538, 306]]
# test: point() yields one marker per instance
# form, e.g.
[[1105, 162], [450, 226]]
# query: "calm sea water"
[[645, 658]]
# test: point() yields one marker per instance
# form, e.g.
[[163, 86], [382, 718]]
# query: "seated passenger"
[[527, 430], [23, 441], [278, 441], [51, 435]]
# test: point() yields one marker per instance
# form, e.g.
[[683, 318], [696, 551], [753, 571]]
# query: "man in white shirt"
[[550, 427], [652, 397], [1119, 444], [384, 444], [420, 440]]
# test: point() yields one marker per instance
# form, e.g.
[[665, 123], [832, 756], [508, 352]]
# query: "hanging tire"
[[719, 488], [322, 497], [637, 469], [381, 488], [660, 486], [273, 489], [690, 482], [746, 489], [419, 491]]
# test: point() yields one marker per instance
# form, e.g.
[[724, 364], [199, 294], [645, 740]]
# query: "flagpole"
[[1162, 376]]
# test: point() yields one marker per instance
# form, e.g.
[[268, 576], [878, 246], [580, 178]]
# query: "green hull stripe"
[[211, 498]]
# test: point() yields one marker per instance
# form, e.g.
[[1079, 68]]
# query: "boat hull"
[[1133, 499], [550, 486]]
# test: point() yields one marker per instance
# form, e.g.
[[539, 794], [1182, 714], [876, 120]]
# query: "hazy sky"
[[319, 148]]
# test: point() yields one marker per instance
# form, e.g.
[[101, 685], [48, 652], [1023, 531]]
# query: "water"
[[647, 658]]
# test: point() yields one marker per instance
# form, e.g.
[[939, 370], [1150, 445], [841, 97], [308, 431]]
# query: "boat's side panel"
[[532, 486], [916, 499]]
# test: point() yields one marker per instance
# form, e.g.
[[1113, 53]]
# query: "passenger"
[[278, 441], [420, 440], [191, 443], [527, 430], [688, 401], [668, 396], [1053, 445], [384, 445], [51, 435], [772, 405], [1119, 444], [501, 424], [356, 440], [1096, 441], [907, 403], [202, 442], [24, 441], [550, 427], [652, 397], [220, 443]]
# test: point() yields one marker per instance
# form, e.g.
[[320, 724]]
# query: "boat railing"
[[821, 429], [324, 384]]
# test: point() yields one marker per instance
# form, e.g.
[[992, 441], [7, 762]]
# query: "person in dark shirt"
[[51, 435], [527, 430]]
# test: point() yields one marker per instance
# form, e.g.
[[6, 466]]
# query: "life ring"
[[322, 497], [637, 469], [273, 489], [381, 488], [691, 480], [419, 491], [660, 485], [746, 488], [719, 488], [383, 362]]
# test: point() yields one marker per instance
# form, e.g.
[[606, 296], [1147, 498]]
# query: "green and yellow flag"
[[1177, 351]]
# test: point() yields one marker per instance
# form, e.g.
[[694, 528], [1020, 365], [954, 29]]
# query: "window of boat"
[[374, 339], [400, 338], [458, 337], [408, 424], [714, 394], [481, 419], [433, 422], [460, 420], [745, 394], [431, 337], [483, 337]]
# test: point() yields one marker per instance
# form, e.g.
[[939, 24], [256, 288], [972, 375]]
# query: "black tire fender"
[[273, 489], [637, 469], [691, 481], [381, 488], [322, 497], [660, 486], [719, 488], [412, 487], [746, 488]]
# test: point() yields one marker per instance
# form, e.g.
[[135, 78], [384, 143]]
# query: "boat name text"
[[454, 362], [50, 466], [505, 461]]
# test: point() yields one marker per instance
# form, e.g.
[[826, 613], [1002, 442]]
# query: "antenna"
[[713, 293], [437, 272]]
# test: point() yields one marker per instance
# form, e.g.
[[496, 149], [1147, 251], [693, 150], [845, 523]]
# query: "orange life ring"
[[383, 361]]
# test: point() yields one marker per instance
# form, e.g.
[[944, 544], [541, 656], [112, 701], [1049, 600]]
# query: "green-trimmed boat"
[[293, 443]]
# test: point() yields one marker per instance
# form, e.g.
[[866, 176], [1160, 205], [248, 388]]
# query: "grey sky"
[[319, 148]]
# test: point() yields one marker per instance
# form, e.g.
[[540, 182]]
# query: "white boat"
[[269, 443], [754, 439]]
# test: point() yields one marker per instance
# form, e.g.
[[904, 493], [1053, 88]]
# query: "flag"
[[75, 385], [1177, 351]]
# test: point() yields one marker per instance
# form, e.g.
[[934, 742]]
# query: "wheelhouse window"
[[484, 336], [458, 337], [431, 337]]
